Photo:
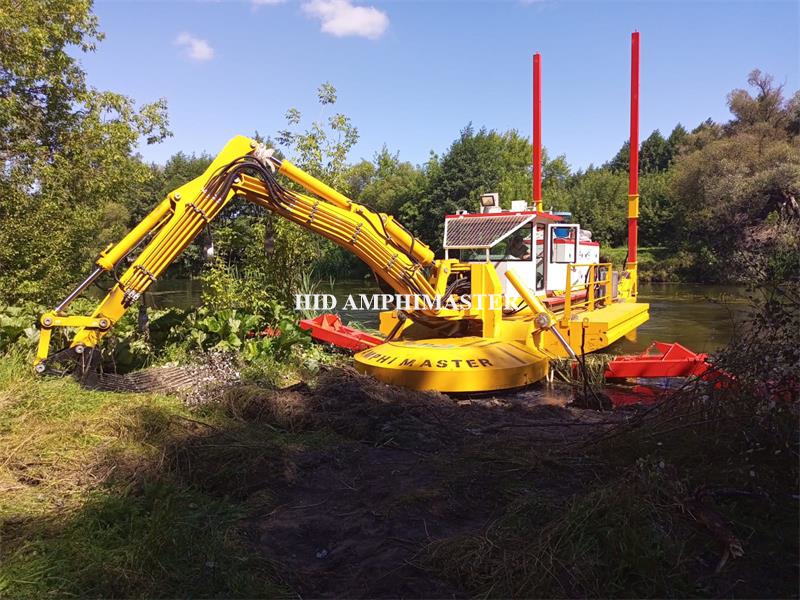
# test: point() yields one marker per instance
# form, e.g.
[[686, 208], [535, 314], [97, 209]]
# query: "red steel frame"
[[660, 359], [329, 328]]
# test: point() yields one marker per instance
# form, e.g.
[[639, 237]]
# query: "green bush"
[[255, 337], [173, 332], [16, 325]]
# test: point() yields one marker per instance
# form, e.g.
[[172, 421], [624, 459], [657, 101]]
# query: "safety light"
[[488, 200]]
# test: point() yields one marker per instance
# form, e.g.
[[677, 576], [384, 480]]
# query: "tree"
[[676, 140], [178, 169], [740, 180], [476, 163], [656, 210], [470, 167], [655, 152], [322, 149], [39, 81], [793, 111], [260, 251], [67, 149], [358, 177], [393, 183], [622, 159], [654, 155], [766, 110], [599, 202], [556, 181]]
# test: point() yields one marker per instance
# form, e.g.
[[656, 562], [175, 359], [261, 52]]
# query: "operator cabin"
[[538, 246]]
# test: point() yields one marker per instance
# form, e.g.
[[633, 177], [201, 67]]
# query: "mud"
[[407, 469]]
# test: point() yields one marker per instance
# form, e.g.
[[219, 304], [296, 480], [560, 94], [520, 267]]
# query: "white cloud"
[[196, 48], [257, 3], [341, 18]]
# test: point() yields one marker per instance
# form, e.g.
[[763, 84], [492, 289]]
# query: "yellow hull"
[[467, 364], [479, 364]]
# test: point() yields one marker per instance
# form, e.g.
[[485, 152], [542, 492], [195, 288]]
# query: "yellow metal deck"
[[600, 327]]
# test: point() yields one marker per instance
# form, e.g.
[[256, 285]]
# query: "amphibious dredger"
[[514, 288]]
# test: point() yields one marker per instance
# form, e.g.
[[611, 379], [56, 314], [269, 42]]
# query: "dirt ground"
[[407, 470]]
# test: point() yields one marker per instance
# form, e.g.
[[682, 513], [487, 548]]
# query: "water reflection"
[[701, 317]]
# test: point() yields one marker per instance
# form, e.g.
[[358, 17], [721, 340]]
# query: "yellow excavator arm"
[[463, 347], [244, 168]]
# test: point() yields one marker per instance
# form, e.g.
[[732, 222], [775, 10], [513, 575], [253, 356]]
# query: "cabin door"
[[561, 250], [539, 256]]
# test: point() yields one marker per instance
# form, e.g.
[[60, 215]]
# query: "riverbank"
[[343, 486], [657, 264]]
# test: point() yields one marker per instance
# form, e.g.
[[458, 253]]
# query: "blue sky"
[[412, 74]]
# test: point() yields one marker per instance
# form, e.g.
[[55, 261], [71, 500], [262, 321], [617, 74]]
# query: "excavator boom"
[[247, 169], [467, 341]]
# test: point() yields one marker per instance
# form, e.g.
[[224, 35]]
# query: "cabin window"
[[516, 247], [473, 255]]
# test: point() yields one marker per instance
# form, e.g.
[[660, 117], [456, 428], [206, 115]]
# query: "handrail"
[[594, 280]]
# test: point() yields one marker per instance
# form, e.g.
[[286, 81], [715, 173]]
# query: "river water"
[[701, 317]]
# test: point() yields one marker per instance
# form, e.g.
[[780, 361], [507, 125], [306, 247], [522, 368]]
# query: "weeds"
[[695, 496], [565, 369], [110, 495], [608, 542]]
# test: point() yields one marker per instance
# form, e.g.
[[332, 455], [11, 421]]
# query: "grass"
[[135, 495], [128, 495], [667, 495], [603, 543]]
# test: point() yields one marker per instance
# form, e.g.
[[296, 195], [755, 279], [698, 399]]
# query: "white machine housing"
[[538, 247]]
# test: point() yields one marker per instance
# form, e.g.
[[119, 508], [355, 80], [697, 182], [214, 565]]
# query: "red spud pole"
[[633, 176], [537, 132]]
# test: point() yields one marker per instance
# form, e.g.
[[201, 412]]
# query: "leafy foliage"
[[268, 335], [770, 262], [476, 163], [321, 149], [736, 180], [253, 336], [599, 202], [67, 150], [16, 324]]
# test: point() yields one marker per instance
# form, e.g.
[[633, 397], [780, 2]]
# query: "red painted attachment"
[[330, 329], [638, 394], [633, 176], [668, 360], [537, 132], [551, 301]]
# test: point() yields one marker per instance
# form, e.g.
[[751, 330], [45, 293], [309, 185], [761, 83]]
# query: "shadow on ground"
[[358, 489]]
